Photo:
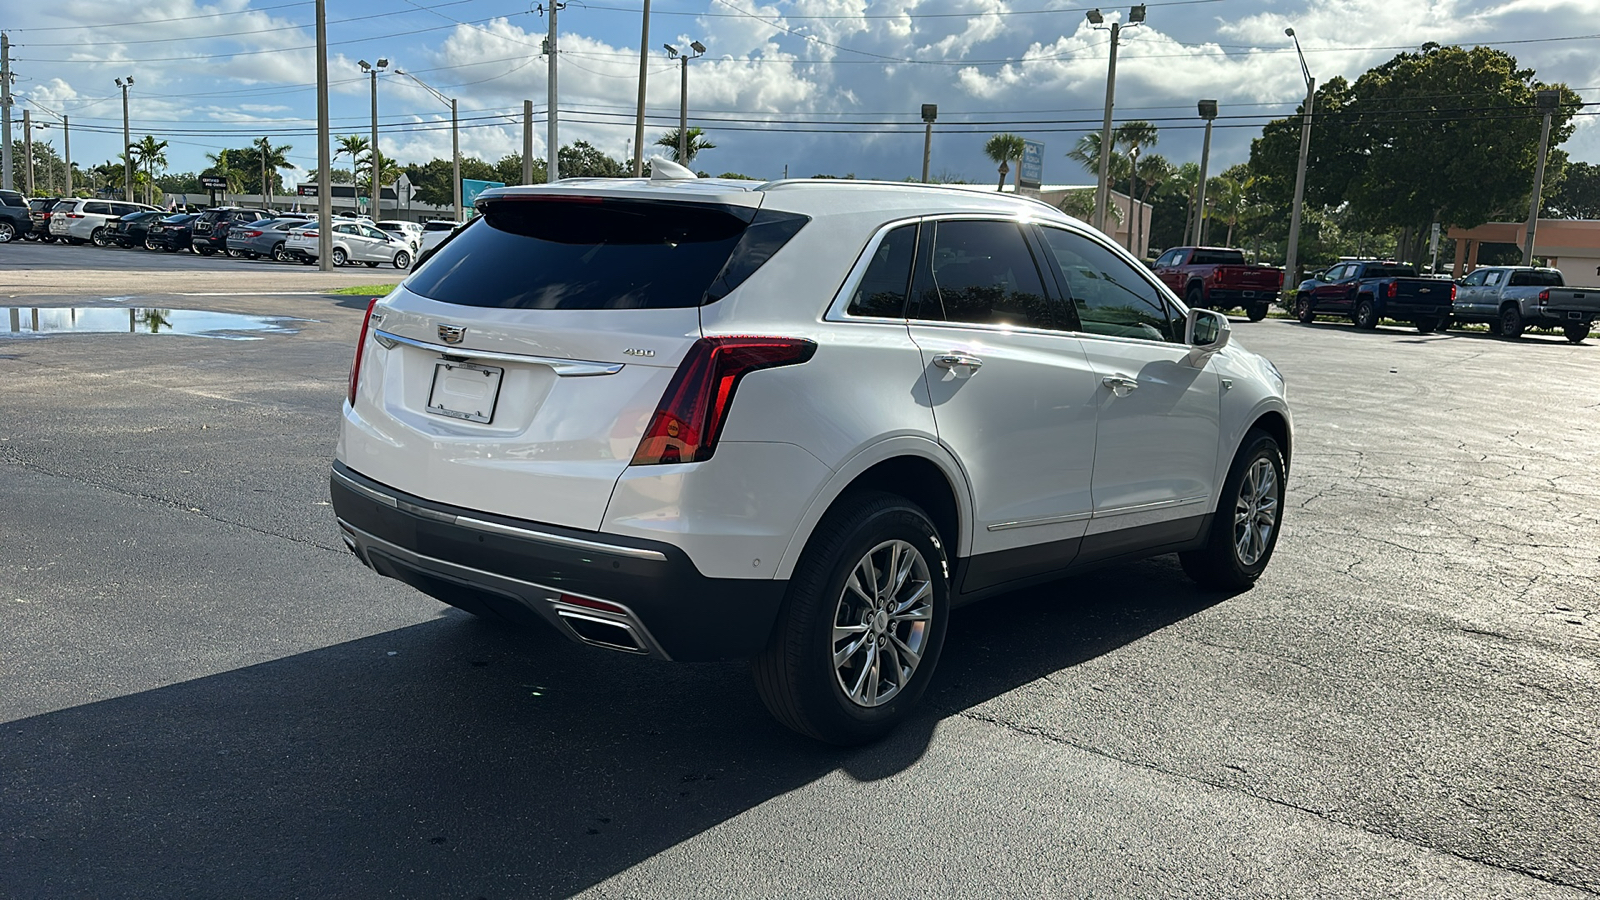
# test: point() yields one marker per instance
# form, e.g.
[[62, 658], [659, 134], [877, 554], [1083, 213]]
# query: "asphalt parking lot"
[[206, 695]]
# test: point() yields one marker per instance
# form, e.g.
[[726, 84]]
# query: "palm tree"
[[272, 159], [1134, 136], [355, 146], [1185, 180], [150, 153], [1002, 148], [388, 173], [1153, 172], [1087, 154], [224, 165], [694, 145]]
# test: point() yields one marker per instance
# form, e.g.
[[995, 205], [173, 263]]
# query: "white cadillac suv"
[[795, 421]]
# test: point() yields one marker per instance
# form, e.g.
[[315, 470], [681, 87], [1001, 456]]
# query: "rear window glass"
[[1389, 272], [1218, 258], [439, 226], [13, 198], [1548, 278], [613, 254]]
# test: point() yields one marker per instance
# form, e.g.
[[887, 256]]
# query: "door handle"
[[1120, 384], [952, 360]]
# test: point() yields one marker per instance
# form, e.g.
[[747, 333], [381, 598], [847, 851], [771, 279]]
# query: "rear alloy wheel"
[[340, 257], [1245, 529], [402, 260], [203, 251], [1366, 315], [1511, 324], [277, 252], [1575, 332], [1255, 312], [236, 254], [151, 245], [863, 623], [8, 232], [1302, 311], [1427, 325], [98, 236]]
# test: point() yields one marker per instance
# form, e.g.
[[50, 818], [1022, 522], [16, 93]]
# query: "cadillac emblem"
[[452, 334]]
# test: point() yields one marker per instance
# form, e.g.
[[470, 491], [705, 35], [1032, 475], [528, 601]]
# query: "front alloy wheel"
[[8, 231], [98, 236], [340, 257], [1245, 529], [1366, 315], [1302, 310], [402, 260], [1511, 324], [862, 624], [1255, 511]]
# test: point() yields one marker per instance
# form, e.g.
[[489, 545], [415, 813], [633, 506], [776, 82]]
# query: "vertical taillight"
[[1452, 292], [361, 347], [688, 420], [1392, 289], [1544, 296]]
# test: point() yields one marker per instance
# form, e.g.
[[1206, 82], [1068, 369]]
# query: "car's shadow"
[[452, 758]]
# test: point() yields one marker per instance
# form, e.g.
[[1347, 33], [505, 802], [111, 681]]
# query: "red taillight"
[[74, 215], [361, 347], [1392, 289], [252, 234], [1544, 296], [1452, 292], [308, 234], [689, 418]]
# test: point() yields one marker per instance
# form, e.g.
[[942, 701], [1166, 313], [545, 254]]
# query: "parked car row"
[[241, 233], [1509, 299]]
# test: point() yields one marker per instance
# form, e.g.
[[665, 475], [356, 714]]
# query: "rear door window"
[[982, 273], [534, 252]]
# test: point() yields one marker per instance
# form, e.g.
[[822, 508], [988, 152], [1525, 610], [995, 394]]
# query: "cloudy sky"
[[817, 86]]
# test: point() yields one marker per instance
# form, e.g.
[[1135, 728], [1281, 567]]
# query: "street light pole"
[[324, 147], [127, 142], [552, 153], [1102, 191], [1208, 111], [66, 140], [930, 112], [683, 96], [5, 111], [1548, 100], [455, 134], [377, 164], [1292, 253]]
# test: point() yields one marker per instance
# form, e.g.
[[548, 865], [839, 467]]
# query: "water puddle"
[[43, 321]]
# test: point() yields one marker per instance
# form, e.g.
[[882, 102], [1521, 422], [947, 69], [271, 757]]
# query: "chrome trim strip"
[[567, 368], [545, 537], [1146, 507], [1046, 520]]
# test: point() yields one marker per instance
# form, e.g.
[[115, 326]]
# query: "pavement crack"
[[1322, 815]]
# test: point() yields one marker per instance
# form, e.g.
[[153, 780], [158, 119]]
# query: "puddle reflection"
[[40, 321]]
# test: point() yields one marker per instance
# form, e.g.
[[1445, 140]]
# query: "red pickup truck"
[[1219, 278]]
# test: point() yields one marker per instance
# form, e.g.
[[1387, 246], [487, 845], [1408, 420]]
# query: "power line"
[[228, 34]]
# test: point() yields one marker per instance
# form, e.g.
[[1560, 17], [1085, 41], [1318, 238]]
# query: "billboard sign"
[[216, 182], [1032, 174], [471, 188]]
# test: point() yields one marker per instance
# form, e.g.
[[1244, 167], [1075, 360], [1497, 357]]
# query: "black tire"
[[1427, 325], [371, 264], [1511, 324], [1220, 563], [74, 242], [1444, 324], [339, 257], [1302, 310], [1255, 312], [203, 251], [277, 252], [1195, 298], [30, 236], [98, 236], [236, 254], [151, 245], [796, 676], [48, 238], [402, 260], [1575, 332], [170, 248], [1366, 314], [8, 232], [308, 260]]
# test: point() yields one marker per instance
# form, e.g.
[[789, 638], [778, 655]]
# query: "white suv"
[[79, 220], [794, 421]]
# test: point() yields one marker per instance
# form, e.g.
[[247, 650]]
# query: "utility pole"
[[552, 163], [644, 77], [127, 142], [264, 178], [527, 142], [27, 150], [683, 96], [930, 112], [1208, 111], [1102, 190], [1548, 100], [324, 147], [1292, 254], [5, 109]]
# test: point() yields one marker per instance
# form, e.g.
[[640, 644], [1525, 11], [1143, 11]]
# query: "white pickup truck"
[[1512, 299]]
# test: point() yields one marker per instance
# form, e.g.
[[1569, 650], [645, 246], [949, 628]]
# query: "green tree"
[[354, 146], [1152, 172], [49, 170], [225, 164], [1578, 194], [149, 154], [433, 181], [1001, 149], [696, 142], [271, 159], [1134, 137], [583, 160]]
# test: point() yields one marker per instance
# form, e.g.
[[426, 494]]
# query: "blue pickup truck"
[[1366, 292]]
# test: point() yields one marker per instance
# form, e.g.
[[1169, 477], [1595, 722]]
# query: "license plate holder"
[[465, 391]]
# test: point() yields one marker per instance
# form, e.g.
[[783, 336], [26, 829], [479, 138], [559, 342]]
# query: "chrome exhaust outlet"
[[612, 634]]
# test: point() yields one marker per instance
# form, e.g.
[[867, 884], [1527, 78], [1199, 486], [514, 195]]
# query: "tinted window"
[[1110, 296], [1170, 258], [439, 226], [1546, 278], [346, 229], [12, 198], [765, 235], [1390, 272], [1218, 258], [584, 254], [982, 273], [882, 291], [103, 209], [1475, 279]]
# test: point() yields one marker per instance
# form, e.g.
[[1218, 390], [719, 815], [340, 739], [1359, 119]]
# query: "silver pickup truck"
[[1512, 299]]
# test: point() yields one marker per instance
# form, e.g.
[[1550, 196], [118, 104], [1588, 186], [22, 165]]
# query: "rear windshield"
[[1537, 278], [593, 254], [65, 206], [439, 226], [1389, 272], [1217, 258]]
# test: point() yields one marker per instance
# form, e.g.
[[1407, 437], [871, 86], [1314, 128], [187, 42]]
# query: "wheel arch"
[[916, 468], [1275, 423]]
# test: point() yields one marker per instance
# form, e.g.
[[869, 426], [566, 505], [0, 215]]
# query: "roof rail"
[[862, 182]]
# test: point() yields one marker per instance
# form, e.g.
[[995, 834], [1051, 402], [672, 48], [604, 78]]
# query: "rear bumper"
[[1411, 310], [1240, 296], [617, 592]]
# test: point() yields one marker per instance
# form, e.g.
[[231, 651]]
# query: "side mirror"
[[1207, 330]]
